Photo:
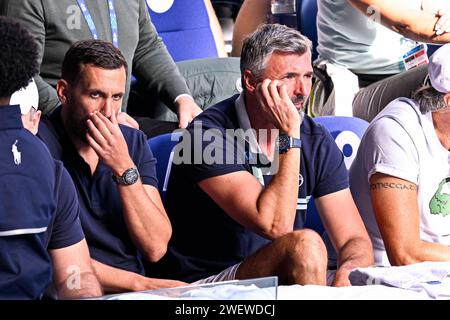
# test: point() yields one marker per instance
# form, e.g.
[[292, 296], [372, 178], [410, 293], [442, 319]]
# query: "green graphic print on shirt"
[[440, 203]]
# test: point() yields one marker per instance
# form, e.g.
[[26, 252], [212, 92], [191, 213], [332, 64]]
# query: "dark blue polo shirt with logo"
[[39, 209], [205, 239], [101, 215]]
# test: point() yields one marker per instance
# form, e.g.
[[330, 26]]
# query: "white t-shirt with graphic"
[[402, 142]]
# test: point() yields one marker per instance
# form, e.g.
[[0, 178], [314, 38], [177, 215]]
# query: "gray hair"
[[429, 99], [268, 38]]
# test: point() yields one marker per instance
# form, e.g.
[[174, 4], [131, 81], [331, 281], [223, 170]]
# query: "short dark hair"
[[98, 53], [265, 40], [18, 57]]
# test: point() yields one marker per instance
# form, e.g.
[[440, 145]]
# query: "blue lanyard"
[[112, 19]]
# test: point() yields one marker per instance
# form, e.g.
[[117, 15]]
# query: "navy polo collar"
[[10, 117]]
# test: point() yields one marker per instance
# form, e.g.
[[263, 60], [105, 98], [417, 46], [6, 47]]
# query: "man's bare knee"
[[306, 257], [306, 244]]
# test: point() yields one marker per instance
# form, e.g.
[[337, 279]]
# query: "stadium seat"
[[210, 81], [306, 21], [432, 48], [347, 133], [184, 27], [162, 148]]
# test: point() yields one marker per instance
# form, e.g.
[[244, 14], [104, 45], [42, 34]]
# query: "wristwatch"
[[129, 177], [286, 142]]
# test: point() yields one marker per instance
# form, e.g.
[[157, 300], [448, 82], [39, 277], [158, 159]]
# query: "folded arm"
[[415, 24]]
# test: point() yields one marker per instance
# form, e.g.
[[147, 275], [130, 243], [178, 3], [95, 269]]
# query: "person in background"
[[112, 167], [239, 214], [362, 42], [400, 178], [56, 25], [40, 231]]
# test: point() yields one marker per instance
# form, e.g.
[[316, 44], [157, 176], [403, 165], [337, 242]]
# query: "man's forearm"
[[415, 24], [147, 225], [420, 252], [87, 286], [278, 201], [354, 254], [114, 280]]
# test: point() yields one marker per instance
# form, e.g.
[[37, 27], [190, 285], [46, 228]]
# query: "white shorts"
[[226, 275]]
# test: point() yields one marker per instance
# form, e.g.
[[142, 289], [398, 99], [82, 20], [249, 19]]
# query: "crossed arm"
[[420, 25], [396, 209]]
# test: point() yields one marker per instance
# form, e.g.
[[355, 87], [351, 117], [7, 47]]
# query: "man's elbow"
[[360, 246], [273, 232], [402, 257], [156, 253]]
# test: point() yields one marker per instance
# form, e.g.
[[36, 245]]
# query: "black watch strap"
[[129, 177]]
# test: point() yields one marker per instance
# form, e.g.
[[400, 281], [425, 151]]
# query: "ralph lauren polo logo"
[[16, 153]]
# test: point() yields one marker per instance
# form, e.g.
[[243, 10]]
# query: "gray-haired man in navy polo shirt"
[[40, 231], [234, 220], [112, 167]]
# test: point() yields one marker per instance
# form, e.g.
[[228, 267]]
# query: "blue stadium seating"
[[432, 48], [306, 21], [184, 28], [162, 147], [347, 133]]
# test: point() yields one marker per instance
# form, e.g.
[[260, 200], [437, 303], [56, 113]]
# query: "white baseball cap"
[[439, 69], [27, 98]]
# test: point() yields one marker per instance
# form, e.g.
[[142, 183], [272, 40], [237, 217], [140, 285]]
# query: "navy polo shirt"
[[38, 209], [101, 215], [205, 239]]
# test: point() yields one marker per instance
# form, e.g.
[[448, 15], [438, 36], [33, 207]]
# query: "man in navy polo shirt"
[[112, 167], [40, 231], [232, 210]]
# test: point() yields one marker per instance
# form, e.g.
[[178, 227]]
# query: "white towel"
[[431, 277]]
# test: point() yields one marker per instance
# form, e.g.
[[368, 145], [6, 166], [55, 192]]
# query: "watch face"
[[130, 176], [283, 143]]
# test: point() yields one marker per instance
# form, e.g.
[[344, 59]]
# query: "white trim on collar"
[[244, 123]]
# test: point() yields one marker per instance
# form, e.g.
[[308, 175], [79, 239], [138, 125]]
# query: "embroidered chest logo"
[[440, 203], [16, 153]]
